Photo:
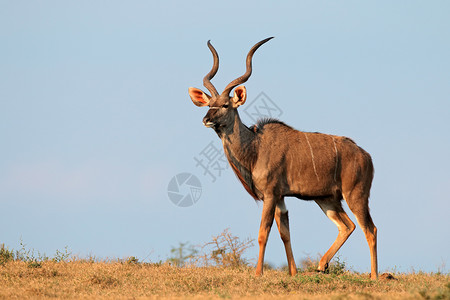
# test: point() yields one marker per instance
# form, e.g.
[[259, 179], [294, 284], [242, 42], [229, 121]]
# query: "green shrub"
[[5, 255], [182, 254], [335, 267]]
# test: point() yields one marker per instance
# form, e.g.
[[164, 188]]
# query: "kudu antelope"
[[272, 160]]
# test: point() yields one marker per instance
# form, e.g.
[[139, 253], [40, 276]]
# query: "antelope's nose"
[[207, 122]]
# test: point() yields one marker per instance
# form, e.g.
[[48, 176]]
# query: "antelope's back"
[[311, 165]]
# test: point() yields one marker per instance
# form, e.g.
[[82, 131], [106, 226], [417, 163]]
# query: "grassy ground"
[[129, 279]]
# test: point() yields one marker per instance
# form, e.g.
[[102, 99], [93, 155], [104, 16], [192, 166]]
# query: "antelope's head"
[[222, 108]]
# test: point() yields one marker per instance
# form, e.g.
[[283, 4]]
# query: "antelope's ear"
[[240, 95], [198, 97]]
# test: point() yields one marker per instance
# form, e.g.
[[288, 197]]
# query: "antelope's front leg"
[[282, 219], [264, 230]]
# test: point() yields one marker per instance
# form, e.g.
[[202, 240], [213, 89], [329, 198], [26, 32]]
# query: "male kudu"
[[273, 160]]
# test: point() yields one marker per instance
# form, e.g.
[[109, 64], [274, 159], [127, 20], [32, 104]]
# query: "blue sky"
[[95, 120]]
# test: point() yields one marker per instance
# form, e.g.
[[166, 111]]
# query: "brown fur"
[[273, 161]]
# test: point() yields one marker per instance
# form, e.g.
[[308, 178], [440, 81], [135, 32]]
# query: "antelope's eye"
[[225, 106]]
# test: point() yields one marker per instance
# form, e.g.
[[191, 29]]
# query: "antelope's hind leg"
[[334, 211], [282, 219], [359, 205]]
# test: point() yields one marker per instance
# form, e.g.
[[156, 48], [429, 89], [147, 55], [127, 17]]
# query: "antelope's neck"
[[240, 146], [239, 143]]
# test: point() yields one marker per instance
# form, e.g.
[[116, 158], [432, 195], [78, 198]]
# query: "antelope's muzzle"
[[207, 122]]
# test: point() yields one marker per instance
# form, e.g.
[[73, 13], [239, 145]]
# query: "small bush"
[[335, 267], [226, 250], [5, 255], [62, 256], [132, 260], [29, 255], [182, 254]]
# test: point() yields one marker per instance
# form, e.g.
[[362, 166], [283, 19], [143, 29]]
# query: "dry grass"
[[218, 271], [83, 279]]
